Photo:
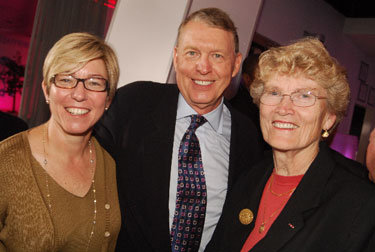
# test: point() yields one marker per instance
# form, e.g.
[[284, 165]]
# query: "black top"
[[10, 125]]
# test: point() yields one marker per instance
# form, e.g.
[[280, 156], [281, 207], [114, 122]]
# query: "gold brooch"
[[246, 216]]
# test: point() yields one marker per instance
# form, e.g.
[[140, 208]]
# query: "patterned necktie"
[[190, 211]]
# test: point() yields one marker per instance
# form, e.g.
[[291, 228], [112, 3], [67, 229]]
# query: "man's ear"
[[175, 57], [237, 64]]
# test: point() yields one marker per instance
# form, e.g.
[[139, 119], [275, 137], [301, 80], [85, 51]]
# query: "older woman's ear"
[[329, 121]]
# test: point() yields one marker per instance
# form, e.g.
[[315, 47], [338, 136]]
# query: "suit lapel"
[[158, 143], [305, 198], [241, 147]]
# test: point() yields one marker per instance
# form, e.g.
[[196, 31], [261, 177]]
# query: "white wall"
[[143, 33]]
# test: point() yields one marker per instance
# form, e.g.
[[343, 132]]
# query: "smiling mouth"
[[284, 125], [77, 111], [202, 82]]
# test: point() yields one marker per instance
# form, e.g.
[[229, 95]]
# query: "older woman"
[[304, 196], [57, 184]]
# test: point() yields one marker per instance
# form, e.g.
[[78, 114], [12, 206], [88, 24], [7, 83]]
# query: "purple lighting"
[[346, 144]]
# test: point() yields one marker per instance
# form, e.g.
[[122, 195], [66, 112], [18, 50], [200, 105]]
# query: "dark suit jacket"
[[10, 125], [138, 131], [332, 209], [243, 102]]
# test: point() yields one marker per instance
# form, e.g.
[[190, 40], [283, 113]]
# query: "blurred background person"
[[370, 156], [304, 196], [243, 101], [10, 125], [57, 184]]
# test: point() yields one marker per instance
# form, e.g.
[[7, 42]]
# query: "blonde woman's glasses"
[[95, 84]]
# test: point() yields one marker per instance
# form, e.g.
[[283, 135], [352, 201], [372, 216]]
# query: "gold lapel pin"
[[246, 216]]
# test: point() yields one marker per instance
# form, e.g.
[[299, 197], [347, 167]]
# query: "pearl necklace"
[[45, 162]]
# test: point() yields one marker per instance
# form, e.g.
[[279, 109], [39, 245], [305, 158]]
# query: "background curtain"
[[54, 19]]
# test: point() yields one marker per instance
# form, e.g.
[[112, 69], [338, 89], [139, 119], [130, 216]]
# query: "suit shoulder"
[[350, 165], [144, 87], [350, 177], [143, 95]]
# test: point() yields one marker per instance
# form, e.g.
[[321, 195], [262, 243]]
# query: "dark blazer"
[[332, 209], [138, 131]]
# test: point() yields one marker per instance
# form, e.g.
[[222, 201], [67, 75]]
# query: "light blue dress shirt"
[[214, 140]]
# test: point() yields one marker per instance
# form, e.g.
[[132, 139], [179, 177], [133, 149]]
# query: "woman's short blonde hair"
[[308, 58], [74, 51]]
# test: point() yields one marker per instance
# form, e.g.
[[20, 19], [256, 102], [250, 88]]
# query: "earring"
[[47, 101], [105, 108], [325, 134]]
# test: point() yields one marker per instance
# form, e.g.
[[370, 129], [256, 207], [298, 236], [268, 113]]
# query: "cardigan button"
[[107, 206], [107, 234]]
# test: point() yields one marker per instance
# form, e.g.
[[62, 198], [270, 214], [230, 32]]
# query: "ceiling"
[[361, 32], [354, 8], [16, 19]]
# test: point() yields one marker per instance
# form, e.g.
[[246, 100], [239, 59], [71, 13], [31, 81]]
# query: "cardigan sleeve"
[[24, 217]]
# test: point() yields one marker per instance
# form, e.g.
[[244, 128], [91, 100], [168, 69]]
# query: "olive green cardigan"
[[25, 221]]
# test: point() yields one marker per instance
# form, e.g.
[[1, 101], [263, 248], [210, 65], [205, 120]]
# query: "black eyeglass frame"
[[53, 80]]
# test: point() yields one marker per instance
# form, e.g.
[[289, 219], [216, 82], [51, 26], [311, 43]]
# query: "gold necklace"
[[45, 162], [263, 225], [288, 194], [279, 194]]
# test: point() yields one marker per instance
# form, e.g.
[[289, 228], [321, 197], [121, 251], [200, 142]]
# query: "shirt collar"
[[214, 118]]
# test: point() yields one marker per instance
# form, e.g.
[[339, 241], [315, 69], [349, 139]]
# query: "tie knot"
[[196, 121]]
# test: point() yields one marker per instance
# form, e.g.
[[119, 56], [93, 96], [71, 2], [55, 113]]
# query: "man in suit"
[[146, 122]]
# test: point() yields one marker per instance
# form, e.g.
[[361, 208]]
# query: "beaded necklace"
[[45, 163]]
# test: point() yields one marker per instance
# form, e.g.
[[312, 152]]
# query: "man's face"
[[205, 62]]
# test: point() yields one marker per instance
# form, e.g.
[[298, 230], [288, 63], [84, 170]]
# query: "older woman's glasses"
[[300, 98], [95, 84]]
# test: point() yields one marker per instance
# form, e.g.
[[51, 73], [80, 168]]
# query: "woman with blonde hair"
[[303, 196], [57, 184]]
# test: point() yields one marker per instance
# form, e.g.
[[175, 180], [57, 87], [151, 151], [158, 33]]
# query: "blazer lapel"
[[247, 198], [305, 198]]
